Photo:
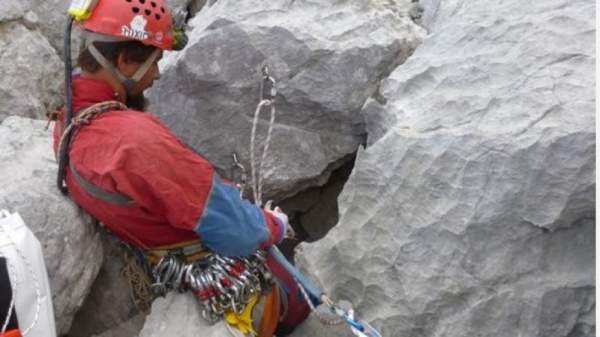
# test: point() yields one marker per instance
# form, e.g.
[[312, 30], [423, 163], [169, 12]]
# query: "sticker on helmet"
[[136, 29]]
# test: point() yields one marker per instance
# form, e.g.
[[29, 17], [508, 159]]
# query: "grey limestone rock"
[[178, 5], [129, 328], [109, 308], [48, 17], [428, 12], [323, 323], [11, 10], [71, 244], [179, 315], [472, 210], [328, 59], [31, 73]]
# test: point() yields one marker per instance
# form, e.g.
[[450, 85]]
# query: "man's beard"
[[137, 102]]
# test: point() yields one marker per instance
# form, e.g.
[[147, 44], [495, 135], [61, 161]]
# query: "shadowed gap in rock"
[[314, 211]]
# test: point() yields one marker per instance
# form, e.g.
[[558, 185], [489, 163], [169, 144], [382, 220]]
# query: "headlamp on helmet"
[[81, 10]]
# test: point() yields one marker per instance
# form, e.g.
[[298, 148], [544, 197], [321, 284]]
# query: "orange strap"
[[270, 317], [190, 251], [11, 333]]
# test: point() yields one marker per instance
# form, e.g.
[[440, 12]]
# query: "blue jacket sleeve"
[[230, 225]]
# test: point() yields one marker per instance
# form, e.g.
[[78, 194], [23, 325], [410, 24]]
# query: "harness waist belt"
[[189, 251]]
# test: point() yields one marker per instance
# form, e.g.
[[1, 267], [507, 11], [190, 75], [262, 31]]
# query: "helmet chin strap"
[[128, 82]]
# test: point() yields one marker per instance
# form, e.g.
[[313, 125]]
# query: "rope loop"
[[267, 98]]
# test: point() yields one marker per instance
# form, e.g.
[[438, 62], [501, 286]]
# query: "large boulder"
[[328, 59], [31, 72], [471, 211], [71, 244]]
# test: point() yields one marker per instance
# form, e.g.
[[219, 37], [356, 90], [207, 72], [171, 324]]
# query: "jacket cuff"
[[276, 229]]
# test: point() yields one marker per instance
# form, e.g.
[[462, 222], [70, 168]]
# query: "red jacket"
[[178, 196]]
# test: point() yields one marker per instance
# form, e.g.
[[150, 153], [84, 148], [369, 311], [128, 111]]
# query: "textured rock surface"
[[72, 249], [179, 315], [30, 69], [48, 17], [313, 327], [327, 57], [429, 12], [108, 309], [471, 212], [128, 328]]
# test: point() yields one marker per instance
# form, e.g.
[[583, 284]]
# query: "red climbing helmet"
[[148, 21]]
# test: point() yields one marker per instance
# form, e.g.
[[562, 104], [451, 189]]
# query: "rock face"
[[429, 10], [314, 212], [30, 70], [471, 212], [315, 325], [179, 315], [49, 17], [73, 251], [328, 59], [108, 309], [192, 6]]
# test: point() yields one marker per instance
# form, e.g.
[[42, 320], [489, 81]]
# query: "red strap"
[[11, 333]]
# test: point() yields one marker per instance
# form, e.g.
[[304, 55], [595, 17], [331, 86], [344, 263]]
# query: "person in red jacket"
[[152, 190]]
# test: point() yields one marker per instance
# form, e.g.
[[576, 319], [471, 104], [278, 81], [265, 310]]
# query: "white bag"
[[29, 279]]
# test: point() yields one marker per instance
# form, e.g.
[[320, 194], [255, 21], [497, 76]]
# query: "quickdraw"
[[221, 284]]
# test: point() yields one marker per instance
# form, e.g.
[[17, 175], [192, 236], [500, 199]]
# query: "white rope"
[[36, 281], [257, 176]]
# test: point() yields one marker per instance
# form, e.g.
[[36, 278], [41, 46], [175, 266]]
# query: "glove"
[[282, 219]]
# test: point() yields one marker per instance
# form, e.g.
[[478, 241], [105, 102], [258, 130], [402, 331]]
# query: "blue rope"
[[313, 291]]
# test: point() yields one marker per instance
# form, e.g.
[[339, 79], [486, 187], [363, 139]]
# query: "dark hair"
[[133, 51]]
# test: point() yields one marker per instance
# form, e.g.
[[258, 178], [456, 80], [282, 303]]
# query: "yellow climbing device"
[[243, 321], [81, 10]]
